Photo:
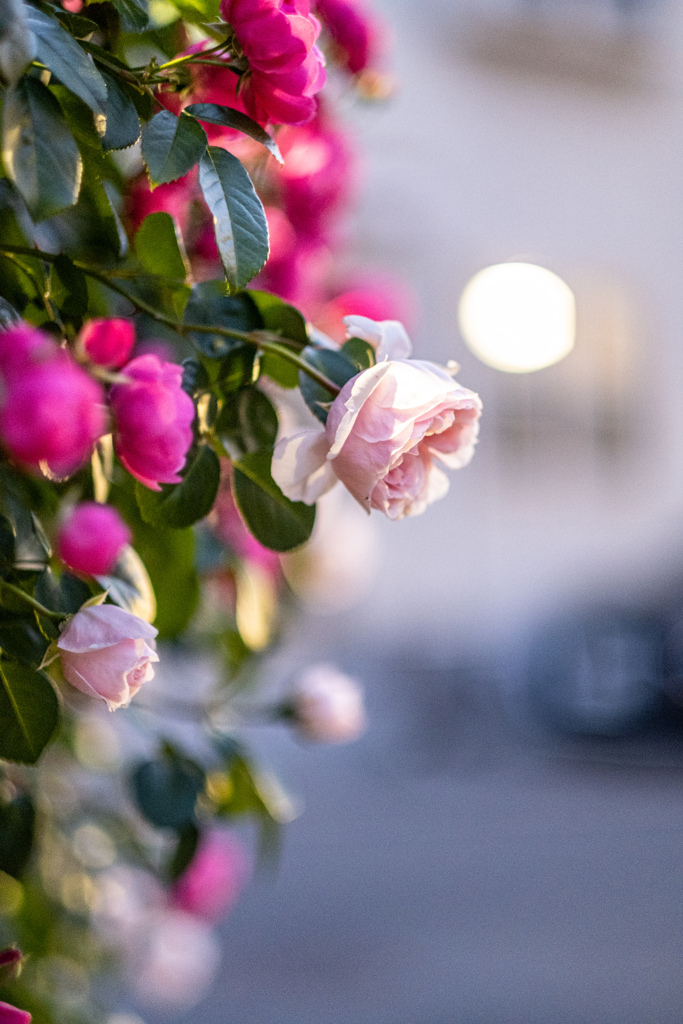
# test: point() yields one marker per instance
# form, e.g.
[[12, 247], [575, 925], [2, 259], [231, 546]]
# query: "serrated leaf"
[[171, 146], [17, 830], [214, 113], [29, 712], [39, 151], [247, 423], [180, 505], [158, 249], [238, 215], [68, 289], [60, 52], [17, 42], [123, 123], [275, 521], [335, 366], [210, 305]]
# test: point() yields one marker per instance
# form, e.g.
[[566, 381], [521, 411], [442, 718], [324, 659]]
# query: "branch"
[[36, 605]]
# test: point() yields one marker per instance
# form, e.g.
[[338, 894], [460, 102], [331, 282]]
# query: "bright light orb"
[[518, 317]]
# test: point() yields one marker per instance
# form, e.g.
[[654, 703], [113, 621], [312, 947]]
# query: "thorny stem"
[[264, 340], [36, 605]]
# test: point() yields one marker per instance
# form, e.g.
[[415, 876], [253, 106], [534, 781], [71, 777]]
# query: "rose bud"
[[51, 411], [91, 538], [11, 1015], [107, 342], [10, 965], [153, 421], [326, 706], [108, 653], [357, 35], [388, 431], [215, 878]]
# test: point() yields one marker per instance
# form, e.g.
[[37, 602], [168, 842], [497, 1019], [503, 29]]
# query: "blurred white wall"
[[545, 133]]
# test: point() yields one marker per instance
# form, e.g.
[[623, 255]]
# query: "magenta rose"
[[355, 33], [327, 706], [109, 653], [215, 878], [51, 411], [388, 432], [11, 1015], [152, 421], [108, 342], [91, 538]]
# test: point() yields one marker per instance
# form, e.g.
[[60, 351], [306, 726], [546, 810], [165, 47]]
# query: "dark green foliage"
[[29, 712], [275, 521], [180, 505], [17, 828], [336, 368], [166, 790]]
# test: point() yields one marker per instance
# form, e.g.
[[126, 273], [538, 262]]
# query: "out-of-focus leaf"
[[336, 367], [123, 123], [65, 593], [247, 423], [8, 315], [60, 52], [198, 11], [275, 521], [29, 712], [133, 13], [214, 113], [188, 841], [166, 790], [17, 43], [238, 215], [180, 505], [17, 829], [39, 151], [195, 377], [68, 289], [209, 305], [22, 640], [239, 368], [157, 247], [171, 146], [129, 585]]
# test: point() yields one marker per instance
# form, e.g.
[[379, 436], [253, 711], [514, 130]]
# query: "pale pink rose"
[[11, 1015], [212, 883], [108, 653], [388, 432], [51, 411], [91, 538], [107, 342], [327, 706], [153, 421]]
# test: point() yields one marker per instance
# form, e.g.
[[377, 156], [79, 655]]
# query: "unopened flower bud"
[[327, 706], [108, 342], [91, 538], [10, 965]]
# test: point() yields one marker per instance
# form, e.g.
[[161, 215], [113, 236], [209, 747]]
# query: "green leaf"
[[17, 45], [29, 712], [238, 215], [183, 855], [247, 423], [214, 113], [7, 543], [166, 790], [134, 15], [275, 521], [76, 24], [22, 640], [129, 585], [17, 830], [180, 505], [198, 11], [171, 146], [67, 60], [359, 352], [195, 377], [209, 305], [39, 151], [158, 249], [68, 289], [335, 366], [279, 317], [239, 368], [65, 593], [123, 123]]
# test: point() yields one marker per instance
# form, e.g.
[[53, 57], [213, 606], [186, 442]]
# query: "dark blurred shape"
[[599, 673]]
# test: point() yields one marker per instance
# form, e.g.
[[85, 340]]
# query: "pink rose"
[[91, 538], [327, 706], [215, 878], [387, 432], [11, 1015], [378, 297], [107, 342], [107, 652], [356, 35], [51, 411], [153, 421]]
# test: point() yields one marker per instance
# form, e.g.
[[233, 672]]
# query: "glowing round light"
[[518, 317]]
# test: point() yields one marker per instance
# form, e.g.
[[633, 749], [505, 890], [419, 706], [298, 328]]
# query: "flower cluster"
[[388, 432]]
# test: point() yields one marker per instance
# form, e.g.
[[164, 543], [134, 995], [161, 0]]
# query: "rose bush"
[[109, 653]]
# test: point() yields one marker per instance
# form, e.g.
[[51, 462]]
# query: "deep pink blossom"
[[11, 1015], [377, 296], [108, 342], [356, 34], [91, 538], [153, 421], [214, 879], [51, 411]]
